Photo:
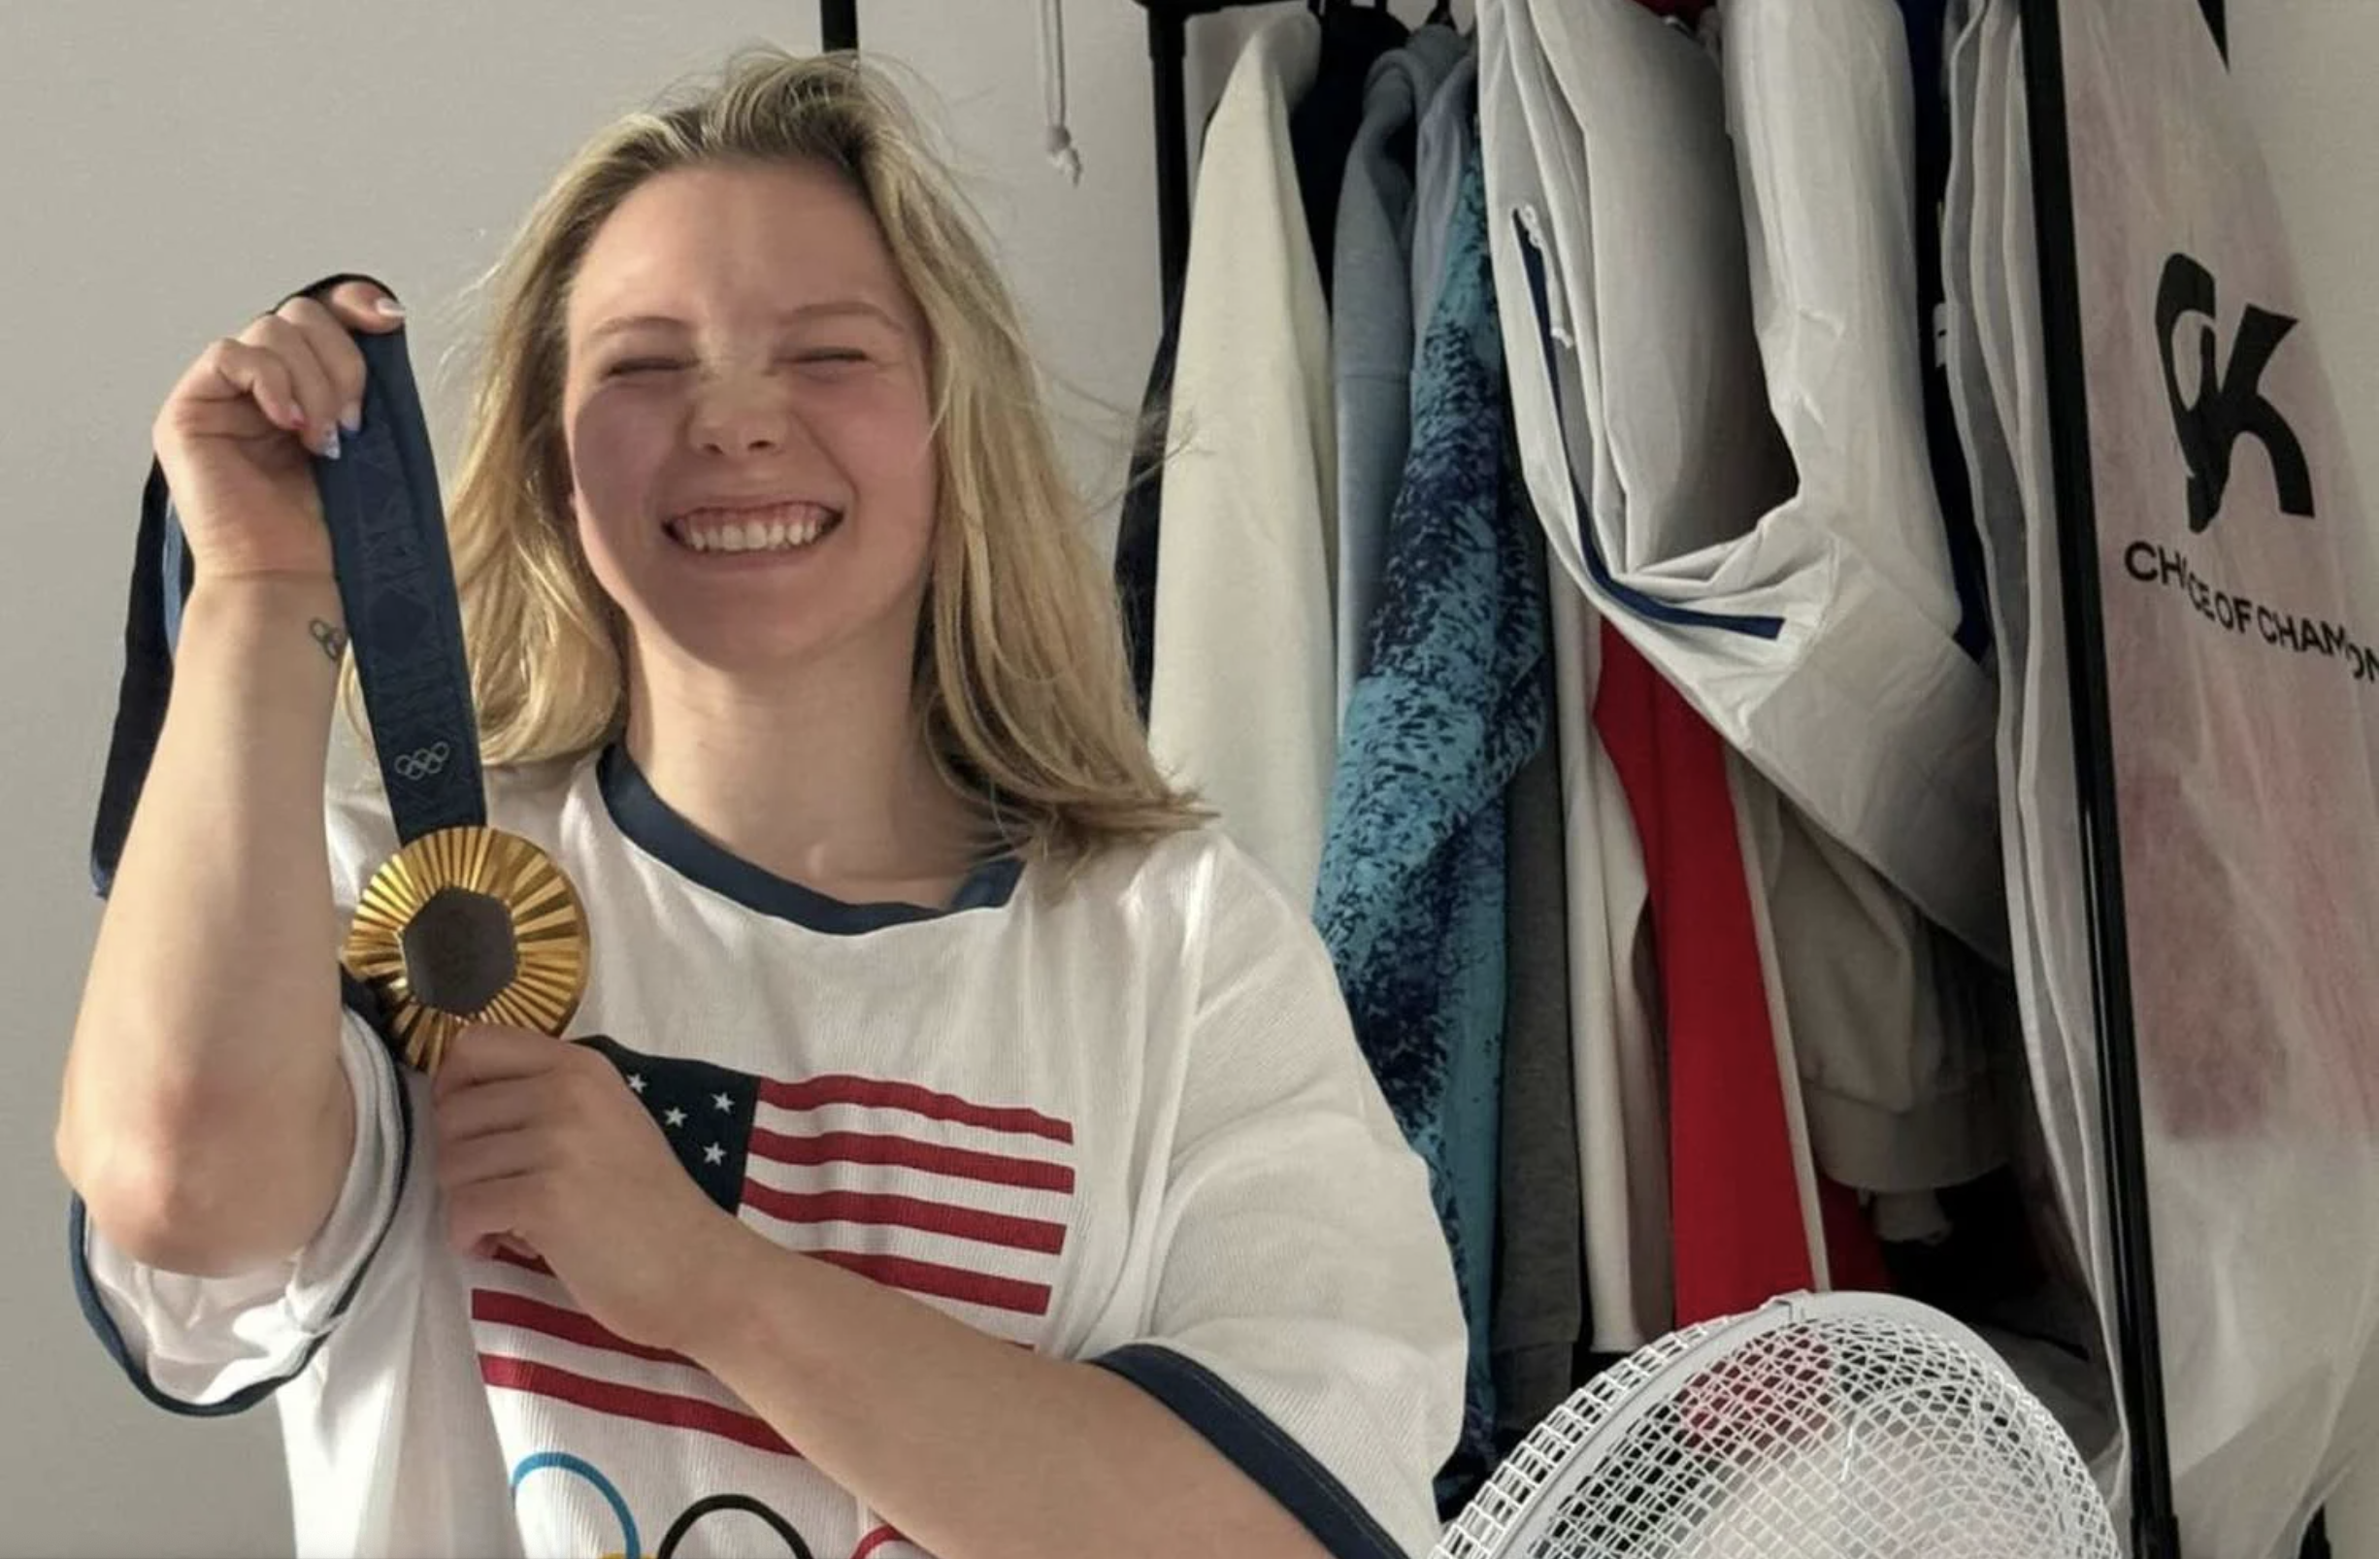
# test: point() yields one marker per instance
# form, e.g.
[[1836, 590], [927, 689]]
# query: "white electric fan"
[[1840, 1426]]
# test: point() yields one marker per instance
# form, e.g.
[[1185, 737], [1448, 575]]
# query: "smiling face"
[[749, 411]]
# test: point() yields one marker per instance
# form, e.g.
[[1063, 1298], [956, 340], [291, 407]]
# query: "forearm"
[[204, 1113], [972, 1447]]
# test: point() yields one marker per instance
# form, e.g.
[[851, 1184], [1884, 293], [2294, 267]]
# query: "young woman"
[[964, 1150]]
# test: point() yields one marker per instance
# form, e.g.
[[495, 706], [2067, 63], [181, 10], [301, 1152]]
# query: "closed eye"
[[641, 365]]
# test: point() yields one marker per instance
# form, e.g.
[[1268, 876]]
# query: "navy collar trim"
[[649, 823]]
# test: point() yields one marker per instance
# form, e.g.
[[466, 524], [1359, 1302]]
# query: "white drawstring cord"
[[1057, 141]]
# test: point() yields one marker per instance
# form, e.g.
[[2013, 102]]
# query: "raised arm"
[[205, 1119]]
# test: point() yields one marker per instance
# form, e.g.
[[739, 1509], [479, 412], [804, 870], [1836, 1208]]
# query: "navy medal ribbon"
[[465, 922]]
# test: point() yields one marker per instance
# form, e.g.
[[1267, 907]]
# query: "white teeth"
[[755, 535]]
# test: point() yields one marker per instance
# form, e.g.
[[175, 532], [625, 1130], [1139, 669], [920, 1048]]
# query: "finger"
[[334, 349], [492, 1156], [307, 379], [485, 1212], [502, 1105], [488, 1052], [230, 376], [361, 306]]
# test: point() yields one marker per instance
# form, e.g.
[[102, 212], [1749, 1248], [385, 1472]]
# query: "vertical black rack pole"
[[2141, 1373], [837, 24], [1165, 79]]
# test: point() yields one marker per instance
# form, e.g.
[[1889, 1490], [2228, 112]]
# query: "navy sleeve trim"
[[112, 1336], [1258, 1446]]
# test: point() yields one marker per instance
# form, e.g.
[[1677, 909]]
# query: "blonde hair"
[[1021, 680]]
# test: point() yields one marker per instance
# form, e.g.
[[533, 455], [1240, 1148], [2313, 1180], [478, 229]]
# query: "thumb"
[[362, 305]]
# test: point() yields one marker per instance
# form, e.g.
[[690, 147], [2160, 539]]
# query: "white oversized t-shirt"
[[1125, 1122]]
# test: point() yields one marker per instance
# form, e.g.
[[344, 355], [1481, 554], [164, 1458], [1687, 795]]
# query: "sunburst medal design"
[[469, 925]]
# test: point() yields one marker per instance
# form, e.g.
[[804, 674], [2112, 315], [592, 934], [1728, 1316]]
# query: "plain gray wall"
[[170, 168]]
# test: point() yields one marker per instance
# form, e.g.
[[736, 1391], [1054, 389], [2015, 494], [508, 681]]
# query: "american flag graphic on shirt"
[[963, 1206]]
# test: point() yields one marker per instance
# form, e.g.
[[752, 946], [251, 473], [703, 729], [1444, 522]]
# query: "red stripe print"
[[876, 1539], [943, 1282], [500, 1308], [876, 1094], [870, 1148], [908, 1212], [631, 1402]]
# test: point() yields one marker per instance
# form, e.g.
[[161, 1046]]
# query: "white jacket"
[[1242, 700], [1658, 330], [1812, 627]]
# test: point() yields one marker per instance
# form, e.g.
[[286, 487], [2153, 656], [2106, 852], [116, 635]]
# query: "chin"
[[759, 622], [755, 645]]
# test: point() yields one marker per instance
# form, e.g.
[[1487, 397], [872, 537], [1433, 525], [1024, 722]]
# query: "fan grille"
[[1854, 1427]]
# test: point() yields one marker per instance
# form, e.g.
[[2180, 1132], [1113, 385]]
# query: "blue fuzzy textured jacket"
[[1451, 703]]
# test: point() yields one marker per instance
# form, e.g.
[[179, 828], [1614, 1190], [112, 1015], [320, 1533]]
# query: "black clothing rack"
[[838, 25], [2154, 1534]]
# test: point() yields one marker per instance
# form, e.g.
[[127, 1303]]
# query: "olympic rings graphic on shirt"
[[631, 1548], [744, 1503], [562, 1461], [422, 762]]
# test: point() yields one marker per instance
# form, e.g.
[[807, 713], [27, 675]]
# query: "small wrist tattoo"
[[334, 642]]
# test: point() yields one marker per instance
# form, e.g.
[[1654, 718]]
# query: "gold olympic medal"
[[468, 925]]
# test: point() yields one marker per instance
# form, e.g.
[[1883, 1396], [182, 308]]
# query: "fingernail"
[[352, 418], [388, 307], [330, 445]]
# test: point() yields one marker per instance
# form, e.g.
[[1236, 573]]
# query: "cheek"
[[617, 451], [886, 445]]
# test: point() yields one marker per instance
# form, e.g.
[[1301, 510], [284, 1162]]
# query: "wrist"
[[253, 643], [735, 1276], [275, 596], [280, 608]]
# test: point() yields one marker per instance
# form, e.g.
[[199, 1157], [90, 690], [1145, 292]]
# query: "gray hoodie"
[[1372, 320]]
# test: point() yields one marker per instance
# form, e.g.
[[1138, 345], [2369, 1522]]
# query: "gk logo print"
[[2229, 403]]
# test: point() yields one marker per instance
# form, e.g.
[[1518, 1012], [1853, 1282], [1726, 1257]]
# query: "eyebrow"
[[843, 308]]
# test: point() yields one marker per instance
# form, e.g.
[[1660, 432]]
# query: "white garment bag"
[[2240, 623]]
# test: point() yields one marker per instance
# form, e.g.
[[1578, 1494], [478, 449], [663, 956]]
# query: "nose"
[[744, 413]]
